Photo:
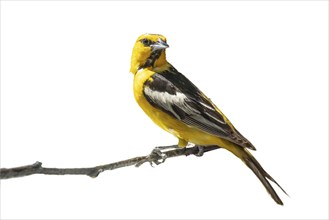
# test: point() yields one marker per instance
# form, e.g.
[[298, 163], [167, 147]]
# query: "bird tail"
[[258, 170]]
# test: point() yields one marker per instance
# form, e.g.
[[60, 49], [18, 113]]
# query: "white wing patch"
[[167, 101], [207, 106]]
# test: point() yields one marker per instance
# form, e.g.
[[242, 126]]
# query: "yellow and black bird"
[[175, 104]]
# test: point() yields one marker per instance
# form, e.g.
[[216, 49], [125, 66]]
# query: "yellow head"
[[148, 52]]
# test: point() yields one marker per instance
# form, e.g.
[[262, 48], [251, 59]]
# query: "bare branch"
[[36, 168]]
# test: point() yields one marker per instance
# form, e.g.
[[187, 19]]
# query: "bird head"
[[148, 52]]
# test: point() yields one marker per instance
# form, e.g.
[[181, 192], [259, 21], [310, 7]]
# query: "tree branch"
[[154, 157]]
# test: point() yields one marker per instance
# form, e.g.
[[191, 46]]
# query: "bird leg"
[[167, 147], [156, 156]]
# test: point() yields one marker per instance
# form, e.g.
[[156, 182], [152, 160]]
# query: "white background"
[[66, 100]]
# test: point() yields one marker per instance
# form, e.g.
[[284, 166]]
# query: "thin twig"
[[36, 168]]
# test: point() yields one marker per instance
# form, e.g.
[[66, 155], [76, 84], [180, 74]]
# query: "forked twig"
[[37, 168]]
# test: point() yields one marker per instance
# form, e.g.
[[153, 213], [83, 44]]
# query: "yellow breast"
[[160, 118]]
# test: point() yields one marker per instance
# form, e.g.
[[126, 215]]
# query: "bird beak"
[[159, 45]]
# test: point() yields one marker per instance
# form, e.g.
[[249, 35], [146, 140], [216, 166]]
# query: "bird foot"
[[156, 156], [200, 151]]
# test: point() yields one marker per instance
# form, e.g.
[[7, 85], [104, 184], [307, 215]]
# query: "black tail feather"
[[262, 175]]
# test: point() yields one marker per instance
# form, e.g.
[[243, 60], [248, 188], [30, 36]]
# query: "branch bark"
[[154, 157]]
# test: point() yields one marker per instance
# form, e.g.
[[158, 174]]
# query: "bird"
[[175, 104]]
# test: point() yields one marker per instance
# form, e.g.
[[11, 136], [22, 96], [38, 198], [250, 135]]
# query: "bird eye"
[[146, 42]]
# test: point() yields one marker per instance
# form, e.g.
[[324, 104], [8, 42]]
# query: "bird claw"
[[161, 157], [200, 151], [156, 156]]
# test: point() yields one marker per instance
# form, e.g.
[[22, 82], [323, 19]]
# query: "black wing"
[[174, 94]]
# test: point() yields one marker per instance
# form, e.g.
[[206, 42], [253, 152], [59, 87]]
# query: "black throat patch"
[[151, 60]]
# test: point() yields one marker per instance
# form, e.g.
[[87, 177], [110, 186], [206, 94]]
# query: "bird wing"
[[174, 94]]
